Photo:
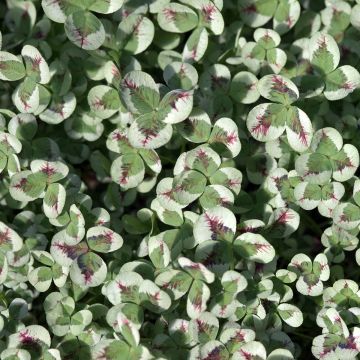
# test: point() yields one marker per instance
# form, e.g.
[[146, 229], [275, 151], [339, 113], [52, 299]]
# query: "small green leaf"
[[85, 30]]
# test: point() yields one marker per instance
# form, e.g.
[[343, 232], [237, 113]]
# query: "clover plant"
[[179, 179]]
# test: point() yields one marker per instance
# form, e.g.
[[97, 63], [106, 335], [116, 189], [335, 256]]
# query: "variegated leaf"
[[346, 216], [49, 171], [151, 159], [175, 106], [88, 270], [197, 270], [36, 66], [327, 141], [173, 216], [283, 222], [135, 33], [26, 96], [103, 240], [278, 88], [228, 177], [266, 122], [276, 59], [106, 6], [254, 247], [128, 170], [195, 45], [124, 288], [40, 278], [291, 314], [118, 141], [321, 267], [153, 298], [23, 126], [25, 186], [14, 353], [217, 223], [235, 337], [210, 15], [215, 255], [331, 194], [252, 56], [216, 195], [75, 230], [79, 321], [324, 53], [4, 268], [110, 347], [244, 88], [314, 168], [298, 129], [9, 144], [60, 274], [233, 282], [214, 347], [196, 128], [286, 15], [257, 13], [215, 79], [139, 92], [187, 187], [63, 252], [203, 159], [128, 330], [225, 132], [267, 38], [30, 335], [54, 200], [159, 252], [251, 350], [148, 132], [177, 18], [198, 297], [11, 67], [180, 75], [345, 163], [9, 239], [307, 195], [166, 194], [85, 30], [341, 82], [310, 285], [176, 282], [60, 108], [58, 10], [104, 101]]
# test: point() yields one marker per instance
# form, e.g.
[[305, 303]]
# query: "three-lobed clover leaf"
[[324, 56], [61, 315], [82, 27], [152, 125], [268, 121], [86, 267], [328, 158], [32, 67], [264, 52], [285, 13], [310, 274]]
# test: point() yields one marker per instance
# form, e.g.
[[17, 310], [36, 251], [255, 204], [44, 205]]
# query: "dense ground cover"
[[178, 180]]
